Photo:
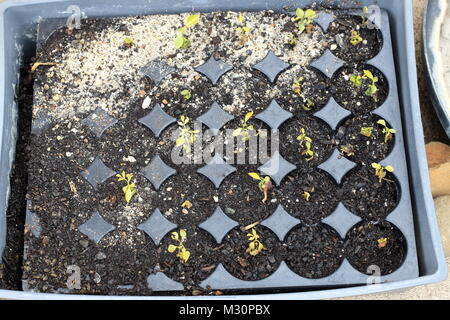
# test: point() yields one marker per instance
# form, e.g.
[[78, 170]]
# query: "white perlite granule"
[[100, 73]]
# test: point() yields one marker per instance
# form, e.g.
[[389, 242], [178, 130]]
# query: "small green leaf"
[[183, 234], [171, 248], [179, 41], [237, 132], [390, 168], [192, 20]]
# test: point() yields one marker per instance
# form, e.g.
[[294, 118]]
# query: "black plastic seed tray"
[[280, 222]]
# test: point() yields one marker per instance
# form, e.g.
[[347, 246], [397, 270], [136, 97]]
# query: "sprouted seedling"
[[128, 41], [356, 38], [307, 143], [130, 189], [372, 89], [365, 21], [181, 42], [264, 184], [243, 29], [292, 39], [382, 242], [348, 150], [182, 253], [388, 132], [187, 136], [187, 94], [255, 246], [307, 194], [381, 171], [297, 85], [304, 18], [245, 129], [367, 132]]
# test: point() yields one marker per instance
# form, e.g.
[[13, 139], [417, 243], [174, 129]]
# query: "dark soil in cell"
[[341, 30], [195, 191], [354, 98], [365, 196], [365, 149], [251, 146], [204, 255], [128, 145], [241, 198], [363, 249], [250, 87], [314, 252], [291, 148], [48, 260], [245, 266], [323, 195], [303, 91], [112, 201], [168, 95]]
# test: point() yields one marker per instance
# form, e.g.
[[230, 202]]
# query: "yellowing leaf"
[[187, 204], [237, 132], [376, 166], [128, 194], [254, 175], [180, 141], [174, 235], [183, 234], [171, 248], [185, 255], [390, 168], [248, 116], [368, 74]]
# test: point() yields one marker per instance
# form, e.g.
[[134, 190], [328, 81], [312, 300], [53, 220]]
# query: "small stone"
[[69, 154], [185, 211], [229, 210], [84, 243], [129, 159], [442, 205], [100, 256], [333, 47], [97, 278], [56, 97], [216, 198]]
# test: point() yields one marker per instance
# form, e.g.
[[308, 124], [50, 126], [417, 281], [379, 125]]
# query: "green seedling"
[[388, 132], [372, 89], [307, 194], [130, 189], [292, 39], [365, 21], [356, 38], [304, 18], [244, 30], [181, 42], [128, 41], [367, 132], [187, 94], [264, 184], [382, 242], [187, 136], [381, 171], [245, 129], [182, 253], [255, 246], [306, 142]]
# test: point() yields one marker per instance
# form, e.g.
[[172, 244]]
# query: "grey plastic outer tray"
[[17, 31]]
